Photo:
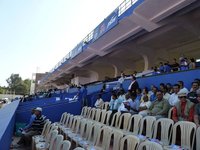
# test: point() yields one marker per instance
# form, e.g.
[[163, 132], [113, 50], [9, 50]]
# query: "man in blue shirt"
[[27, 127], [134, 104]]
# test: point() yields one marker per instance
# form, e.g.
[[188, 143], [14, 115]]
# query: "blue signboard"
[[78, 49], [106, 25]]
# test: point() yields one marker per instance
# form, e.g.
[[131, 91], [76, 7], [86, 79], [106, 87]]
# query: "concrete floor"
[[15, 140]]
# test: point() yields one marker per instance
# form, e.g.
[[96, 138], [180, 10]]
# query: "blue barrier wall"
[[52, 108], [186, 76], [7, 120]]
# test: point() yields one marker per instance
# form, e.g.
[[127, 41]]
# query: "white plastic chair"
[[134, 123], [170, 113], [55, 142], [132, 142], [79, 148], [116, 137], [92, 113], [86, 138], [102, 116], [166, 126], [97, 116], [107, 117], [84, 111], [62, 119], [64, 145], [115, 119], [105, 105], [44, 145], [42, 137], [81, 133], [187, 128], [74, 128], [147, 145], [149, 126], [197, 138], [124, 120], [103, 138], [92, 135]]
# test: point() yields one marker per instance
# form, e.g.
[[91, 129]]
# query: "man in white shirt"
[[174, 97], [99, 102]]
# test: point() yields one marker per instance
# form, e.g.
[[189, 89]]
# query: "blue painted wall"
[[52, 108], [7, 121], [187, 77]]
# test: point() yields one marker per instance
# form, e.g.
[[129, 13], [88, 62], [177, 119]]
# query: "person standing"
[[134, 85]]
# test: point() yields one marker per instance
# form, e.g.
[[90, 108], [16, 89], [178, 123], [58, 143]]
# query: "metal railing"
[[125, 5]]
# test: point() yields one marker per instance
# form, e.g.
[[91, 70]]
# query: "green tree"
[[27, 84], [1, 90], [15, 83]]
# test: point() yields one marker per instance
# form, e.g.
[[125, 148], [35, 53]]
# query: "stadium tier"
[[118, 89]]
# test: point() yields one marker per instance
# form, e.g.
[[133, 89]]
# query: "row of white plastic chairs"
[[135, 124], [50, 139], [93, 135]]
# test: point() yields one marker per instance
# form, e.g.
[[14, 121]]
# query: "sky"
[[36, 34]]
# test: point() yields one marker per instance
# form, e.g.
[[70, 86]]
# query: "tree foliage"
[[15, 83]]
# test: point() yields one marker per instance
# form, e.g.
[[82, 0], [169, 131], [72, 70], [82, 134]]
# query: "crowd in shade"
[[183, 64], [183, 103], [167, 67]]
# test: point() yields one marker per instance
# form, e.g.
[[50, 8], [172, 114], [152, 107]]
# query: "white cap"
[[182, 93], [38, 109]]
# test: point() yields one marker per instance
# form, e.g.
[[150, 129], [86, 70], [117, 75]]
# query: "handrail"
[[125, 5]]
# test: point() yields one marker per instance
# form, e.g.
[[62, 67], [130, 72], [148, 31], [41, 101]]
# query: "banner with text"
[[106, 25]]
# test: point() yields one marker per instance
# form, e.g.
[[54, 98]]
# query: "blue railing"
[[107, 24]]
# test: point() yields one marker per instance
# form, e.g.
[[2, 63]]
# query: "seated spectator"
[[198, 81], [134, 85], [182, 88], [167, 68], [121, 94], [175, 65], [151, 91], [169, 88], [166, 95], [27, 127], [35, 129], [159, 107], [192, 64], [155, 71], [114, 105], [161, 67], [145, 92], [153, 96], [173, 99], [192, 96], [99, 102], [144, 106], [139, 94], [183, 64], [126, 101], [197, 110], [183, 110], [133, 105]]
